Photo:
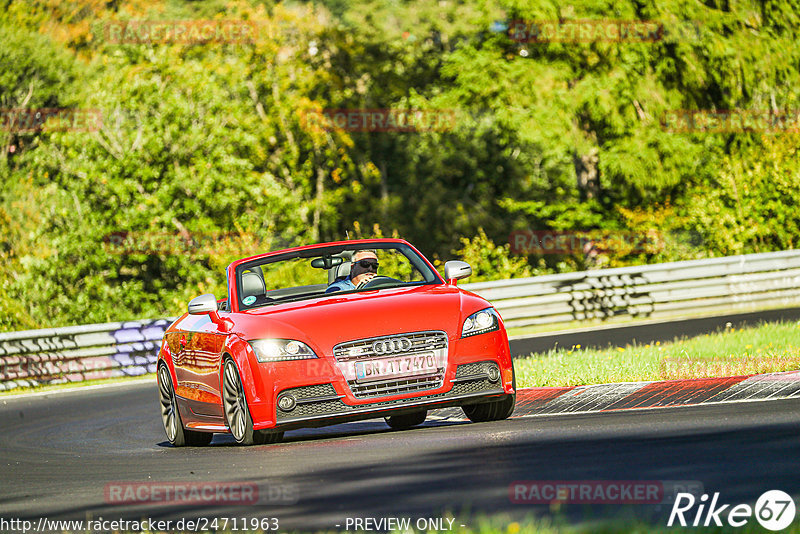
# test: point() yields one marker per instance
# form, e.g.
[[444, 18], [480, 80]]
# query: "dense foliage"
[[204, 152]]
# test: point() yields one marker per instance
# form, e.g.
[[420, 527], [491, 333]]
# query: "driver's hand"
[[365, 280]]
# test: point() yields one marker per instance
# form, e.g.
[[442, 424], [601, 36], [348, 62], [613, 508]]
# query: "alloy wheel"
[[234, 401], [168, 406]]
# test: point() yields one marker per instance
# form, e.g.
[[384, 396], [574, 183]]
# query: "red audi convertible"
[[328, 333]]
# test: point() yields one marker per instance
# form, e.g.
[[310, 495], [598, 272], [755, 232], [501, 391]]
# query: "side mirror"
[[456, 270], [208, 304], [203, 304]]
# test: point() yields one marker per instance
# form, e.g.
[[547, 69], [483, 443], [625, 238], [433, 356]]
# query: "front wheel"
[[491, 411], [171, 417], [401, 422], [237, 414]]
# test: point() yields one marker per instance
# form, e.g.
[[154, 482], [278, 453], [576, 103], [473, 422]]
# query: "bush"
[[493, 262]]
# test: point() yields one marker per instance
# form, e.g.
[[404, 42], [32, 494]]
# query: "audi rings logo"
[[390, 346]]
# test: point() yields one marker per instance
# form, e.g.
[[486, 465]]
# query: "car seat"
[[341, 271]]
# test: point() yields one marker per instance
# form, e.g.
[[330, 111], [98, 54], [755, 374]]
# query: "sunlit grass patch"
[[769, 347]]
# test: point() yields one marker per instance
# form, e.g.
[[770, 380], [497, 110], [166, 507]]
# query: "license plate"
[[411, 365]]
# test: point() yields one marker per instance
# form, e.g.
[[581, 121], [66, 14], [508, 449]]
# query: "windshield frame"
[[417, 260]]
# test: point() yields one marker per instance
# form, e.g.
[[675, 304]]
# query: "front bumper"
[[270, 381], [320, 405]]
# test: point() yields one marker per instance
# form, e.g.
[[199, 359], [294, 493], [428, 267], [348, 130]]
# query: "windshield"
[[330, 271]]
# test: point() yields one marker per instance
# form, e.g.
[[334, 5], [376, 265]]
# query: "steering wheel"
[[380, 281]]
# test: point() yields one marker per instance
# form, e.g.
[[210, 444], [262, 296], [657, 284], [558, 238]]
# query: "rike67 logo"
[[774, 510]]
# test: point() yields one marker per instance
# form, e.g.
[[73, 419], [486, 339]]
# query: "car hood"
[[325, 322]]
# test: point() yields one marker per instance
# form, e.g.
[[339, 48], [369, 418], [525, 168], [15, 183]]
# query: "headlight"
[[481, 322], [279, 350]]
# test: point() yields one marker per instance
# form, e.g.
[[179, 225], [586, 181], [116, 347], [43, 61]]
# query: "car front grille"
[[308, 392], [472, 369], [314, 402], [362, 348], [396, 387], [413, 343]]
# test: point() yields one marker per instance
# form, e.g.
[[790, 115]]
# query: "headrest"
[[252, 285], [342, 270]]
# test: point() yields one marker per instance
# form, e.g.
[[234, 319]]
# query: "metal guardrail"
[[727, 285], [78, 353]]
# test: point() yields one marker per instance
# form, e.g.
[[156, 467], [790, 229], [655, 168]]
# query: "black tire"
[[237, 413], [267, 437], [493, 410], [171, 417], [400, 422]]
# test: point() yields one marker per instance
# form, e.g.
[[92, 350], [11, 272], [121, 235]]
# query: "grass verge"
[[769, 347]]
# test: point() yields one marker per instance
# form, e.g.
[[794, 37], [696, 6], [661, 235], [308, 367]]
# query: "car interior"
[[253, 284], [254, 291]]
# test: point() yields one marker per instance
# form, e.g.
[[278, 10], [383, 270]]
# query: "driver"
[[363, 268]]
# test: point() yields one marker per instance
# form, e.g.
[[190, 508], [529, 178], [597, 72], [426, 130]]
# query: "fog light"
[[494, 373], [287, 403]]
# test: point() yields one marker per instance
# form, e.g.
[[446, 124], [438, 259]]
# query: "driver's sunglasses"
[[368, 264]]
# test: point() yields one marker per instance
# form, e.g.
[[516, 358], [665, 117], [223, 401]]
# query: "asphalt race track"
[[59, 453]]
